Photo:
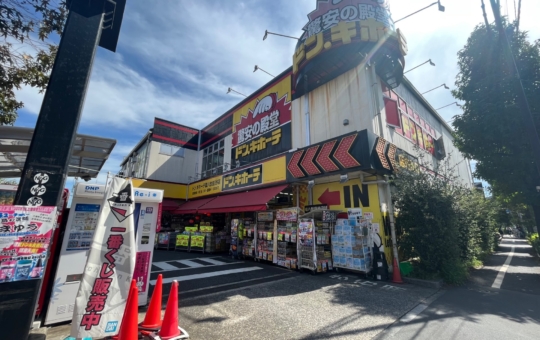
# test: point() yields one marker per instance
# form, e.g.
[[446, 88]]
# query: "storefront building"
[[324, 133]]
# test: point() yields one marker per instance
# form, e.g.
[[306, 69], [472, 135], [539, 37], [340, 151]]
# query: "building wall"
[[171, 168], [453, 156], [349, 96]]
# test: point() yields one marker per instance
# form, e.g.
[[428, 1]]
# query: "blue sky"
[[176, 59]]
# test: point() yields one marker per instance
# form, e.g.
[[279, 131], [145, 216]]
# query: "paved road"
[[222, 298], [501, 302], [200, 274]]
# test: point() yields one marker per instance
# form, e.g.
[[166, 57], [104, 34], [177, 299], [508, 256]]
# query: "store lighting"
[[311, 184], [258, 68], [446, 87], [343, 178], [441, 8], [281, 35], [429, 61], [231, 90]]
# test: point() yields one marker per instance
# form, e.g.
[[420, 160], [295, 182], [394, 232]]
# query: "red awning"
[[169, 205], [191, 207], [254, 200]]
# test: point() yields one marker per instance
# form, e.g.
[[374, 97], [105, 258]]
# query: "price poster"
[[25, 235]]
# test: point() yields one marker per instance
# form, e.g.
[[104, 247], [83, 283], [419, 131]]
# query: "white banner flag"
[[107, 276]]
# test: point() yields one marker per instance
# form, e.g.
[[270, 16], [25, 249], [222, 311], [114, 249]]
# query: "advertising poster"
[[102, 295], [25, 235], [142, 263], [83, 226], [305, 233]]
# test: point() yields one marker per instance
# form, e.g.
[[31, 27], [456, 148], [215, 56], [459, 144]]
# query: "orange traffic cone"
[[169, 329], [152, 319], [396, 275], [128, 328]]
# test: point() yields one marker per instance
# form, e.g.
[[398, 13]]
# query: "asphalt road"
[[502, 301]]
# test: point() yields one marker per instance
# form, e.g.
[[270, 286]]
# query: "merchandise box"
[[339, 230]]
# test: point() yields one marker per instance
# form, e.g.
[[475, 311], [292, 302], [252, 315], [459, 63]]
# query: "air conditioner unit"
[[440, 152]]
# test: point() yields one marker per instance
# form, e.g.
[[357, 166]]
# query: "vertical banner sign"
[[25, 235], [102, 296]]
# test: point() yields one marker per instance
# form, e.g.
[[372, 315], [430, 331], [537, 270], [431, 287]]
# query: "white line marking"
[[205, 275], [164, 266], [499, 279], [210, 265], [190, 263], [231, 284], [413, 313], [212, 261]]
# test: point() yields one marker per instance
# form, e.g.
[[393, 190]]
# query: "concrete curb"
[[424, 283]]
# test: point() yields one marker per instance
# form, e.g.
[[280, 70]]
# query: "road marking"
[[499, 279], [212, 261], [232, 283], [188, 268], [164, 266], [190, 263], [413, 313], [205, 275]]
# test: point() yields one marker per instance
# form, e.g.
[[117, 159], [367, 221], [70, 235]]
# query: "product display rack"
[[250, 239], [166, 240], [265, 243], [287, 231], [316, 258], [351, 243]]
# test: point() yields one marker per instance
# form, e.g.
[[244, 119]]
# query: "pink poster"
[[142, 266], [25, 235]]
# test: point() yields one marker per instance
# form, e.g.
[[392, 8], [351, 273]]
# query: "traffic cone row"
[[152, 327]]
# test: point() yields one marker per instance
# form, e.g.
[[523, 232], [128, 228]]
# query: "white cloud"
[[176, 59]]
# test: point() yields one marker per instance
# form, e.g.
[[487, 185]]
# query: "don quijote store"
[[296, 174]]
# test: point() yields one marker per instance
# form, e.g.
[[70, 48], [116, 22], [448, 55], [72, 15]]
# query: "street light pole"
[[89, 24]]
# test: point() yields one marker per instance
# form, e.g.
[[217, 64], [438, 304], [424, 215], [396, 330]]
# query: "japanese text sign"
[[243, 178], [206, 187], [102, 295]]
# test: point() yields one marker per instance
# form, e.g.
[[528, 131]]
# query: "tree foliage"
[[444, 226], [26, 54], [491, 128]]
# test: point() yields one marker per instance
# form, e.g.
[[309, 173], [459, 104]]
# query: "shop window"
[[392, 113], [213, 159], [171, 150]]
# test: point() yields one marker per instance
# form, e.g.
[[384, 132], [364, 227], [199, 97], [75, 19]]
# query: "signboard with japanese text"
[[204, 188], [25, 235], [338, 36], [103, 291], [268, 172], [265, 216], [243, 178], [261, 128]]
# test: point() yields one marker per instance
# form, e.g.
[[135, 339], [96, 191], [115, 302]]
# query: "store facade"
[[324, 134]]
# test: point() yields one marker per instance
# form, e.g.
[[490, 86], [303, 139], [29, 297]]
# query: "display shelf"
[[265, 241], [351, 245]]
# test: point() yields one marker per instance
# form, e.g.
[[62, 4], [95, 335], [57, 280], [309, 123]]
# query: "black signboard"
[[270, 144], [350, 152], [329, 216], [243, 178]]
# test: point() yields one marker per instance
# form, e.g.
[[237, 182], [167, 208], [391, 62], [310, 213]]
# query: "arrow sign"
[[342, 154], [330, 197], [307, 162], [324, 157], [293, 167]]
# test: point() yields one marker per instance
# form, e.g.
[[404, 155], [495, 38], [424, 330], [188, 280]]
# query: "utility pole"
[[523, 103], [89, 24]]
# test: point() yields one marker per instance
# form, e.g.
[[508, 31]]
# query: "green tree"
[[490, 130], [26, 54]]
